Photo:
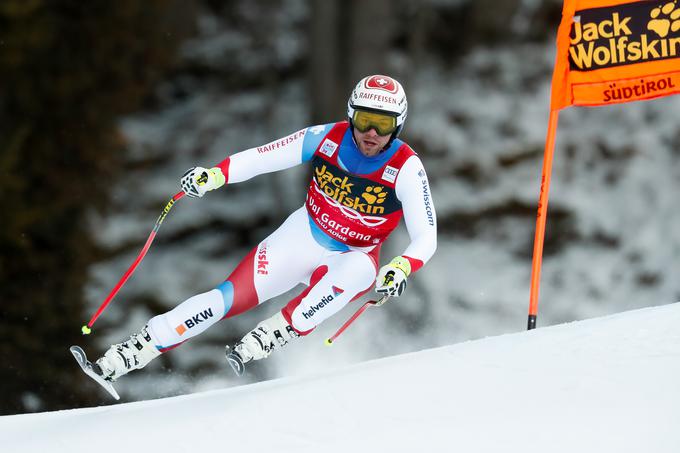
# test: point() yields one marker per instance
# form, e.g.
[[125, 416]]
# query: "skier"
[[364, 180]]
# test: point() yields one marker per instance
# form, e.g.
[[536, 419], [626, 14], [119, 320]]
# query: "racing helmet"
[[374, 98]]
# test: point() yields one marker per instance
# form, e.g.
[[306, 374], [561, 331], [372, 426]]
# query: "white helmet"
[[379, 93]]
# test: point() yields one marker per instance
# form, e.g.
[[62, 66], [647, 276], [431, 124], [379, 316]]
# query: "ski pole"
[[87, 329], [370, 303]]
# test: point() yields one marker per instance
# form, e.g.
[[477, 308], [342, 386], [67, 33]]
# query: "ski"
[[235, 362], [86, 366]]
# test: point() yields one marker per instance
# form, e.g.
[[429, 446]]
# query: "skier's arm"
[[413, 190], [278, 155]]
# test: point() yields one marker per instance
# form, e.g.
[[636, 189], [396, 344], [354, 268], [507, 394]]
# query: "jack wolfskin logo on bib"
[[624, 34], [341, 189], [374, 195]]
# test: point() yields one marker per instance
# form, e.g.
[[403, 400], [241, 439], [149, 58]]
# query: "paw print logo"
[[664, 18], [374, 195]]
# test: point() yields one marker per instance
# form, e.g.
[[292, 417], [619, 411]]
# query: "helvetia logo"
[[624, 34], [315, 308]]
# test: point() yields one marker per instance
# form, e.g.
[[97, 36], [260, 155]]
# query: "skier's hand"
[[198, 180], [391, 278]]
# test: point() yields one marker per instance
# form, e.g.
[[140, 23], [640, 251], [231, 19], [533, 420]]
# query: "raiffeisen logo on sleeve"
[[281, 143], [624, 34]]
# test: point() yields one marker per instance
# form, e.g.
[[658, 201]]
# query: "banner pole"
[[542, 218]]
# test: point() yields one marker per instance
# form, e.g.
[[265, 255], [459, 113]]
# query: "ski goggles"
[[383, 124]]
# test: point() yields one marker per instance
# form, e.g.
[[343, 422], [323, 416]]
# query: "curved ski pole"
[[370, 303], [87, 329]]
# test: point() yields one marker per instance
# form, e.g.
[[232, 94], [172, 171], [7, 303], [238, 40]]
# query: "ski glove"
[[198, 180], [391, 278]]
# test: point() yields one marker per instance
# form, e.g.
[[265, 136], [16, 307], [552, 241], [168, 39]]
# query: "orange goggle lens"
[[383, 124]]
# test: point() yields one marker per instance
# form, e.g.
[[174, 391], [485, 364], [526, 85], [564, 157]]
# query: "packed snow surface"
[[603, 385]]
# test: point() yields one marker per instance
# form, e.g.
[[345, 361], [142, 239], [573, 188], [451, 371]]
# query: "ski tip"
[[78, 353]]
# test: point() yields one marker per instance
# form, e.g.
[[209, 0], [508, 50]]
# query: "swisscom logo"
[[625, 34]]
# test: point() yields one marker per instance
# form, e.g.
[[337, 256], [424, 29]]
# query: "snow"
[[607, 384]]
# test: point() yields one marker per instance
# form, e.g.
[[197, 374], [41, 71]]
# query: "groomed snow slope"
[[604, 385]]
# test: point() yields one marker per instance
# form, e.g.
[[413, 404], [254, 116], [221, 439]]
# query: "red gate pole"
[[541, 219]]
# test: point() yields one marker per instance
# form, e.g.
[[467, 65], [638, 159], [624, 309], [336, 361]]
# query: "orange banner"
[[612, 51]]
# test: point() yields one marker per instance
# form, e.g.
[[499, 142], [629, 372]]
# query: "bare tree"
[[348, 40]]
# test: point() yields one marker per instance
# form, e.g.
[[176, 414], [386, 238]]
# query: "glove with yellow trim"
[[198, 180], [391, 278]]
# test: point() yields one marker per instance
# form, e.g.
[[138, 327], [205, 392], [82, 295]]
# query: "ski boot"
[[270, 334], [129, 355]]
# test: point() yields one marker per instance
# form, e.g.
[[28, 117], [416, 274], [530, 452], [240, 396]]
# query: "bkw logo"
[[194, 321]]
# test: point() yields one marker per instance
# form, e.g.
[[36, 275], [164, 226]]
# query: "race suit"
[[331, 244]]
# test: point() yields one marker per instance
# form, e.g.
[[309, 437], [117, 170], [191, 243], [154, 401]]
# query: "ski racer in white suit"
[[364, 180]]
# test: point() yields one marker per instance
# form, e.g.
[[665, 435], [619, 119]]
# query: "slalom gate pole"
[[541, 219], [370, 303], [87, 329]]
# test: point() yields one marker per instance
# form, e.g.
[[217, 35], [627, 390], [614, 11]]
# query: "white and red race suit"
[[331, 244]]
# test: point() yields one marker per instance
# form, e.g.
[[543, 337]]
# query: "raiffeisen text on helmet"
[[378, 98], [624, 34]]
